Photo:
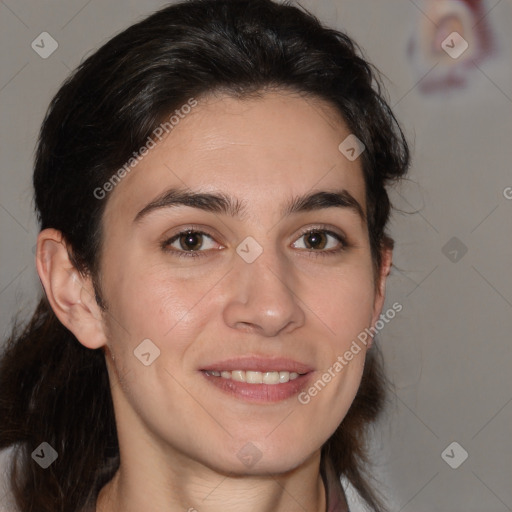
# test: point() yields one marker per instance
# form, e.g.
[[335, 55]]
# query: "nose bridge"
[[267, 279], [262, 296], [270, 278]]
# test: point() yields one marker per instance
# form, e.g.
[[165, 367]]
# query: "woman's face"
[[275, 275]]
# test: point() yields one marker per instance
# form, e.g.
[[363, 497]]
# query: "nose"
[[261, 298]]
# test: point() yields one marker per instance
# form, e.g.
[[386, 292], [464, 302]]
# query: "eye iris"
[[316, 240], [191, 241]]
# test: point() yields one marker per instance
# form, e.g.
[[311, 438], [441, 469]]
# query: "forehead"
[[260, 150]]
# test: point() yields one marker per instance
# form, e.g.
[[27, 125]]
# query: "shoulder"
[[6, 501]]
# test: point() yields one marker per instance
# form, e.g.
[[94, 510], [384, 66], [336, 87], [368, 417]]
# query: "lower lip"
[[260, 393]]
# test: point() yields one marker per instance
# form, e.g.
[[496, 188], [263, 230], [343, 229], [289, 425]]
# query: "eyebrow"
[[223, 204]]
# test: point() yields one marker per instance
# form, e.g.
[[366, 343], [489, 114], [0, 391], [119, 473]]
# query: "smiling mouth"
[[254, 377]]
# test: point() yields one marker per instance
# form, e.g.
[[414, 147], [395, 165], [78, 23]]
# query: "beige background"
[[448, 351]]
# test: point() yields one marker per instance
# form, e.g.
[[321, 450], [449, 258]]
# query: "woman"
[[210, 186]]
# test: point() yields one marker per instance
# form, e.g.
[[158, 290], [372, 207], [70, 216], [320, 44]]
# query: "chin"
[[260, 457]]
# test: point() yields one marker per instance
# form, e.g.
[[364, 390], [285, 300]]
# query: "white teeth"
[[284, 376], [252, 377], [271, 378], [238, 375]]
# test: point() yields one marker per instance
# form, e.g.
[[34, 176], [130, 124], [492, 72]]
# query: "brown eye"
[[321, 241], [191, 241], [315, 240]]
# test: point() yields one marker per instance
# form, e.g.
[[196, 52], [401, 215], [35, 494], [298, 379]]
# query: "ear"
[[71, 295], [380, 285]]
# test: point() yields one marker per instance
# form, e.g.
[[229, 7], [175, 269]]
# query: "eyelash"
[[198, 254]]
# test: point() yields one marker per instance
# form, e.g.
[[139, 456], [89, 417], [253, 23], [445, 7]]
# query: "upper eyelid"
[[326, 229], [175, 237], [192, 228]]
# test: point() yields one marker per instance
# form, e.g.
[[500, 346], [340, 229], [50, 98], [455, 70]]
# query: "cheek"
[[342, 301], [153, 303], [344, 306], [156, 303]]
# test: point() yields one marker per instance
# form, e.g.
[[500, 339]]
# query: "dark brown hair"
[[54, 389]]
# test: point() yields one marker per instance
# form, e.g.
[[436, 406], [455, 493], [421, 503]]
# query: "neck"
[[206, 490]]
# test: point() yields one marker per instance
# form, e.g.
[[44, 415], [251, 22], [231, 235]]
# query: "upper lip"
[[259, 364]]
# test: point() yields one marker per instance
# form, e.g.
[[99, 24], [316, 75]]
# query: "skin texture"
[[179, 435]]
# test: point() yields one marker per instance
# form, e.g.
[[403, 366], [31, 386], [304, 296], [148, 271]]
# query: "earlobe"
[[70, 294]]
